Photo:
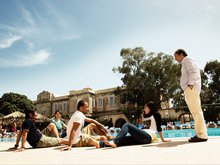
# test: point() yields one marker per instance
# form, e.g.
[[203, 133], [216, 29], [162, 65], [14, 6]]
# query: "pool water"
[[188, 133], [166, 133], [8, 139], [177, 133]]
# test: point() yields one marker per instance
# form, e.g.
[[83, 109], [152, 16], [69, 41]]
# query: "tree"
[[11, 102], [212, 73], [147, 76]]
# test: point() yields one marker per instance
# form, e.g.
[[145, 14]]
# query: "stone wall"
[[100, 103]]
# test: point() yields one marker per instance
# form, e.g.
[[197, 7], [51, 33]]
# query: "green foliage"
[[212, 83], [211, 113], [133, 114], [11, 102], [147, 76]]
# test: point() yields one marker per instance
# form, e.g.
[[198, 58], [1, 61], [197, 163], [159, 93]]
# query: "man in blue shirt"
[[190, 82]]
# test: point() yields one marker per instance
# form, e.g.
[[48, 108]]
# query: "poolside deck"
[[179, 151]]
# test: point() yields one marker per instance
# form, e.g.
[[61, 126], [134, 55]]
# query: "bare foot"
[[111, 144], [106, 144], [97, 145]]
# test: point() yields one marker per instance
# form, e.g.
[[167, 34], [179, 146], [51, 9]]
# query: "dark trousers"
[[137, 136]]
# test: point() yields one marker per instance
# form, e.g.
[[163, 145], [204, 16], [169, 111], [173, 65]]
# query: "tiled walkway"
[[179, 151]]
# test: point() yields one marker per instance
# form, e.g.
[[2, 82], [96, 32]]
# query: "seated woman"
[[60, 125], [146, 134]]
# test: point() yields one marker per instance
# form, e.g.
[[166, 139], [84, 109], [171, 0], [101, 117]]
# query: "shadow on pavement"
[[167, 144]]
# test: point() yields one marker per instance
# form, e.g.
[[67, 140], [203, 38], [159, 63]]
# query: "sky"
[[64, 45]]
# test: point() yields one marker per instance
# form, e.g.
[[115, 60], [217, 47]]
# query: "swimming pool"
[[176, 133], [166, 133], [188, 133], [8, 139]]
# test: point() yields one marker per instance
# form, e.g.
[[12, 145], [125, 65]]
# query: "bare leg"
[[96, 129], [103, 138], [52, 128], [107, 144], [64, 141], [103, 135], [111, 144], [94, 142], [91, 142]]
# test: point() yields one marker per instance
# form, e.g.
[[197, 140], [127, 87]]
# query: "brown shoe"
[[197, 139]]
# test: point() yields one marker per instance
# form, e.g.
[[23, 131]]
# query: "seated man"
[[75, 136], [34, 137]]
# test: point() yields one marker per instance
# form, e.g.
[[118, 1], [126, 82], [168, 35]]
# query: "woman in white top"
[[144, 135]]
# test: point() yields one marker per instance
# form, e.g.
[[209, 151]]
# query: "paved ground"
[[179, 151]]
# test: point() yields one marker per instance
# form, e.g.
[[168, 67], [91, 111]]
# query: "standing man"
[[190, 82]]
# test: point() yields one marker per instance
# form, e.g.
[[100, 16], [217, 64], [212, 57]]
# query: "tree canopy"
[[11, 102], [212, 82], [147, 76]]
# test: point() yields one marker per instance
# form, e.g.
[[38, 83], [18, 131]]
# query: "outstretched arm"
[[23, 141], [162, 138], [17, 141], [72, 135]]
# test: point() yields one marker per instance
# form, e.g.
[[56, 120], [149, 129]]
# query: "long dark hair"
[[152, 108]]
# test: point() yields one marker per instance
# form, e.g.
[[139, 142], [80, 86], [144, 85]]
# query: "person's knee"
[[92, 125], [51, 126], [126, 124], [103, 138]]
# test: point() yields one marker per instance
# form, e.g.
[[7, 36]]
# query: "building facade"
[[104, 105]]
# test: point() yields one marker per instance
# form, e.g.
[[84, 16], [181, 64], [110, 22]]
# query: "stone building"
[[104, 105]]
